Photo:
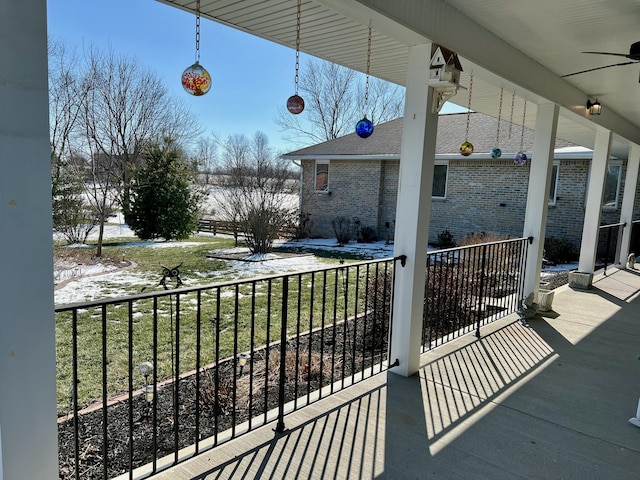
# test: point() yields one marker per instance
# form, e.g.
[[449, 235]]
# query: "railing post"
[[280, 428], [481, 292], [606, 250]]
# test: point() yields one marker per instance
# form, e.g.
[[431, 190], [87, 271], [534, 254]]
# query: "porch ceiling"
[[524, 46]]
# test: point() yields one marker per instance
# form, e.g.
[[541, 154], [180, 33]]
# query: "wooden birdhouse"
[[444, 68]]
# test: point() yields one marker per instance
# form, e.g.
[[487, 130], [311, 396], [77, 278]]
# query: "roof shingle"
[[387, 138]]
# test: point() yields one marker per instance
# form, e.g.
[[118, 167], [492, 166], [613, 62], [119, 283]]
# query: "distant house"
[[358, 178]]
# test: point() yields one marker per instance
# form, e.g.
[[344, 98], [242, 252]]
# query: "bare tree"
[[206, 157], [334, 103], [66, 96], [126, 107], [257, 191]]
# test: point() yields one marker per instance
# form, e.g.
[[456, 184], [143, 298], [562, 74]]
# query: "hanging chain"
[[197, 31], [524, 116], [466, 137], [499, 117], [297, 44], [511, 116], [366, 85]]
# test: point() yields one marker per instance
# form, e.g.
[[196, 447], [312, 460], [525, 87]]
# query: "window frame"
[[616, 202], [315, 176], [437, 163], [553, 199]]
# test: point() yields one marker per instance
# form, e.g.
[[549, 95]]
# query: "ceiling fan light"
[[595, 108]]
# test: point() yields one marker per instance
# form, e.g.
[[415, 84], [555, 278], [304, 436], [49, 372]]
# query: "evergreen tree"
[[164, 200]]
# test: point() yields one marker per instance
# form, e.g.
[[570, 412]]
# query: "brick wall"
[[354, 191], [482, 196]]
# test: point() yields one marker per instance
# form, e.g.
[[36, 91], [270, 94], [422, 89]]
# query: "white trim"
[[558, 154]]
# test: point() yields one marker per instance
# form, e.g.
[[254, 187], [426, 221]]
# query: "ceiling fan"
[[634, 55]]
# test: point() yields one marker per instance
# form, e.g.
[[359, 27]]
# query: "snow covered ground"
[[81, 283]]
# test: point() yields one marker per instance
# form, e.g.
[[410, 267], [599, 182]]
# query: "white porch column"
[[413, 211], [535, 220], [28, 431], [628, 199], [593, 208]]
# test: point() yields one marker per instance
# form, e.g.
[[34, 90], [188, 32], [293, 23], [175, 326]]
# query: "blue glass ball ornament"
[[364, 128], [520, 158], [496, 153], [466, 149], [295, 104]]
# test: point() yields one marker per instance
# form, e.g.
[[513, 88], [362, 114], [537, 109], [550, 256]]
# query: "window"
[[553, 186], [612, 185], [322, 176], [439, 189]]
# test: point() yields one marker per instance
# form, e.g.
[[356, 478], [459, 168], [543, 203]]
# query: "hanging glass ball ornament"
[[496, 153], [196, 80], [520, 158], [466, 149], [295, 104], [364, 128]]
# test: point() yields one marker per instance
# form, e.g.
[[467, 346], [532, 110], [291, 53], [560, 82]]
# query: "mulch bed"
[[344, 352]]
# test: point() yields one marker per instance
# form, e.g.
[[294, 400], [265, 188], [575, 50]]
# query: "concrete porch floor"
[[551, 401]]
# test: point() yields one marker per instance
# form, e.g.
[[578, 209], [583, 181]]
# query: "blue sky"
[[251, 77]]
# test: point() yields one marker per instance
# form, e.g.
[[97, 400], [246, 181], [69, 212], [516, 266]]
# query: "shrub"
[[377, 299], [483, 237], [449, 300], [445, 239], [343, 228], [559, 250], [368, 235]]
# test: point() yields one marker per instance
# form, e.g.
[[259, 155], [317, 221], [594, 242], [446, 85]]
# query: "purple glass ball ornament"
[[295, 104], [466, 149], [364, 128], [520, 158], [496, 153]]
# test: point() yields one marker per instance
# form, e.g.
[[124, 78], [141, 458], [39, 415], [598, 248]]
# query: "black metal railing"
[[144, 377], [471, 286], [149, 380], [609, 237], [634, 243]]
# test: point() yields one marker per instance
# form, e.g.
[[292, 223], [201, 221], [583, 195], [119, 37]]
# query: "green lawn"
[[210, 315]]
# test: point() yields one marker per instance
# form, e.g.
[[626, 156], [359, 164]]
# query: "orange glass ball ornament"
[[466, 149], [196, 80]]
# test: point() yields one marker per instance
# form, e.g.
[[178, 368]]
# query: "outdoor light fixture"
[[146, 369], [148, 393], [243, 358], [594, 107]]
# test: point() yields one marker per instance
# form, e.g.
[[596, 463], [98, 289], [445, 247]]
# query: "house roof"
[[387, 139]]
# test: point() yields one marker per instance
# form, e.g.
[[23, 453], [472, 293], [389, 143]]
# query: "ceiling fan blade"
[[626, 55], [598, 68]]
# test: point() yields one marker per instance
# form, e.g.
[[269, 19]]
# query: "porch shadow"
[[548, 401], [455, 388], [341, 442], [551, 401]]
